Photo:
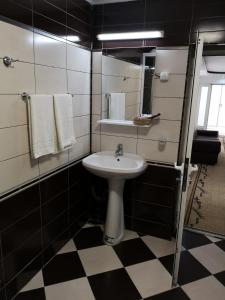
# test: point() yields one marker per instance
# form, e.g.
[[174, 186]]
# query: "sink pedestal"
[[114, 227]]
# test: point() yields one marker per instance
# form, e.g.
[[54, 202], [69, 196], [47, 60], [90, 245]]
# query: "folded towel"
[[117, 106], [42, 128], [63, 107]]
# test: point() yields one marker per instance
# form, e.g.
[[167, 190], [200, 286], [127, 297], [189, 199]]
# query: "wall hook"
[[8, 61]]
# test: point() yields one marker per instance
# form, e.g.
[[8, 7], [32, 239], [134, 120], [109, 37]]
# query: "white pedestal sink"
[[116, 170]]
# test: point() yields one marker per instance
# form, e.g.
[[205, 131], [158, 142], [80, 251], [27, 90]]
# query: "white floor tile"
[[99, 259], [150, 278], [129, 234], [213, 239], [211, 256], [160, 247], [78, 289], [69, 247], [35, 283], [205, 289]]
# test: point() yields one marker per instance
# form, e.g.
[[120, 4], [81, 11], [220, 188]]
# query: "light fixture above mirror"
[[130, 35]]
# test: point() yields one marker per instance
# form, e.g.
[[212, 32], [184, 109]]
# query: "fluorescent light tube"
[[72, 38], [130, 35]]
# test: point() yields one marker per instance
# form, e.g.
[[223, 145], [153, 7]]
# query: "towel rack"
[[26, 96]]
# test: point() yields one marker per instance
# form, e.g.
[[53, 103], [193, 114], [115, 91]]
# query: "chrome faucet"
[[119, 150]]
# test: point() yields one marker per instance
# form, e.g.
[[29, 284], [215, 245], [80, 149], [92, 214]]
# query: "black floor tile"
[[133, 252], [113, 285], [89, 237], [168, 262], [175, 294], [221, 244], [192, 240], [38, 294], [63, 267], [221, 277], [190, 269]]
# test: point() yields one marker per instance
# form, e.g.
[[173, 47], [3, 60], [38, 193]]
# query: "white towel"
[[117, 106], [42, 128], [63, 107]]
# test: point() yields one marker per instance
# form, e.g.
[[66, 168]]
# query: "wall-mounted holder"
[[163, 76], [8, 61]]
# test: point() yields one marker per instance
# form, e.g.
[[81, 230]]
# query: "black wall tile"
[[14, 236], [2, 294], [161, 10], [47, 9], [58, 3], [155, 213], [125, 13], [48, 25], [18, 206], [16, 284], [53, 208], [54, 229], [154, 194], [55, 246], [12, 10], [79, 11], [17, 260], [54, 186], [155, 229]]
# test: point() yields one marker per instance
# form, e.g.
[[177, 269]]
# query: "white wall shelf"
[[120, 123]]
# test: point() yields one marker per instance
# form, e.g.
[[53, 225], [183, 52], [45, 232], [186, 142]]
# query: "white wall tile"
[[95, 143], [78, 83], [125, 131], [78, 59], [81, 125], [170, 130], [51, 162], [50, 80], [18, 79], [49, 51], [150, 150], [96, 84], [170, 108], [13, 111], [109, 142], [172, 61], [80, 149], [97, 62], [14, 142], [96, 104], [81, 105], [95, 125], [16, 171], [174, 87], [16, 42]]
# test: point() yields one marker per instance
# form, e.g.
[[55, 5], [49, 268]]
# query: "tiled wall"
[[167, 99], [180, 21], [121, 77], [37, 220], [149, 201], [45, 66], [62, 18]]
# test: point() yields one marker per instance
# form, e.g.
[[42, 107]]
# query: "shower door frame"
[[186, 168]]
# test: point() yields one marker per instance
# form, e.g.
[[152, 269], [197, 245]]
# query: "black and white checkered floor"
[[138, 268]]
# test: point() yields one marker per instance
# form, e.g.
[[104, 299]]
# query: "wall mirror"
[[127, 76]]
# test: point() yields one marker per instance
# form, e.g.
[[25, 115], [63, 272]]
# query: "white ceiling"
[[107, 1]]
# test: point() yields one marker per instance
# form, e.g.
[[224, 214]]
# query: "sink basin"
[[106, 165], [116, 170]]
